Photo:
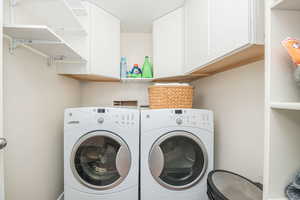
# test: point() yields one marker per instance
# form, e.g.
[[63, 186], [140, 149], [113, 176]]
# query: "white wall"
[[237, 99], [103, 94], [135, 46], [34, 99]]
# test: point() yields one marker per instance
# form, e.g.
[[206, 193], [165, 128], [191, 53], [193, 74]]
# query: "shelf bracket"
[[53, 59], [17, 42], [14, 43]]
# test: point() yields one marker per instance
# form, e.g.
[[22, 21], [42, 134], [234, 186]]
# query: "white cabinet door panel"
[[196, 33], [229, 26], [168, 45], [105, 43]]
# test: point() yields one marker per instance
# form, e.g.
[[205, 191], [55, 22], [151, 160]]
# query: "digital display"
[[178, 112], [101, 110]]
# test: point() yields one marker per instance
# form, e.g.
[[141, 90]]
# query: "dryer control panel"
[[178, 117]]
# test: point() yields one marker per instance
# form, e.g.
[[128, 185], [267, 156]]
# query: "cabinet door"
[[168, 45], [229, 26], [104, 43], [196, 34]]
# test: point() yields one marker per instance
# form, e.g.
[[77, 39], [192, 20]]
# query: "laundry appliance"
[[101, 154], [177, 153]]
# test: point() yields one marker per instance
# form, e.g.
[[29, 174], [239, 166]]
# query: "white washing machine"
[[101, 154], [176, 153]]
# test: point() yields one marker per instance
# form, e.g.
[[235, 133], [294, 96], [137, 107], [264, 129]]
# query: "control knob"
[[100, 120], [179, 121]]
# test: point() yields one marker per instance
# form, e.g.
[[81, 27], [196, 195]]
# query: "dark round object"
[[225, 185]]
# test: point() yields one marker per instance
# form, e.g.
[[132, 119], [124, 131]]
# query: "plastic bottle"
[[123, 67], [136, 72], [147, 68]]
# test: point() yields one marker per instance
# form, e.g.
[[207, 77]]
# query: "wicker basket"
[[170, 96]]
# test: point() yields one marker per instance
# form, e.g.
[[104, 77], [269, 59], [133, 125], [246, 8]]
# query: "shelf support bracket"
[[15, 43], [53, 59]]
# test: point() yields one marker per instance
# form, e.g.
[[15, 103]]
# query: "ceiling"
[[137, 15]]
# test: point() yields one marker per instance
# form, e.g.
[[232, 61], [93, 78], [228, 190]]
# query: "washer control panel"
[[120, 117], [125, 118]]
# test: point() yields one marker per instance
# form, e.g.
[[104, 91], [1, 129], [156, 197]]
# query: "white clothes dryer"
[[177, 153]]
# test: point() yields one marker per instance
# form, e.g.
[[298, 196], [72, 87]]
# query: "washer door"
[[100, 160], [178, 160]]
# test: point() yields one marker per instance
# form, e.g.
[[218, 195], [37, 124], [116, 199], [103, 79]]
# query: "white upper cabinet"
[[101, 45], [217, 28], [229, 25], [234, 24], [168, 44], [196, 33], [105, 43]]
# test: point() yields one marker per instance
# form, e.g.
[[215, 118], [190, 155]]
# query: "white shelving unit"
[[43, 40], [39, 12], [282, 110]]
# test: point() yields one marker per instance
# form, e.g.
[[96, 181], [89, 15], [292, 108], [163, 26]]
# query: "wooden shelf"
[[56, 14], [42, 39], [286, 5], [240, 58], [187, 78], [91, 77], [98, 78], [285, 106], [137, 80]]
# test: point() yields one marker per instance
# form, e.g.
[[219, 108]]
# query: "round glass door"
[[100, 160], [178, 160]]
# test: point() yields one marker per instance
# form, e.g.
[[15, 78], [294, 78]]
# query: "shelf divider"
[[285, 105]]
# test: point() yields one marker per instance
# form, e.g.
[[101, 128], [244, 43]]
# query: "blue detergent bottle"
[[123, 67]]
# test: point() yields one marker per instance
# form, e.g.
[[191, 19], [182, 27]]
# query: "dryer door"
[[100, 160], [178, 160]]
